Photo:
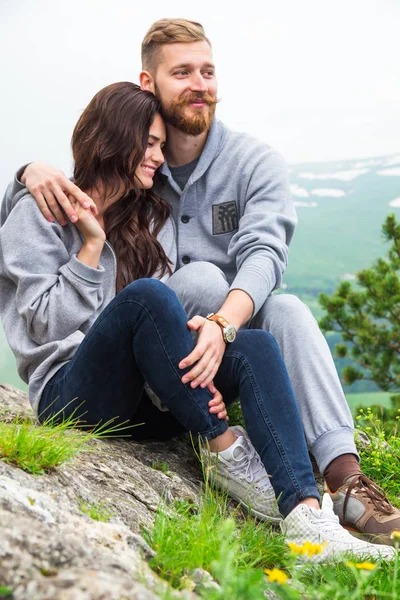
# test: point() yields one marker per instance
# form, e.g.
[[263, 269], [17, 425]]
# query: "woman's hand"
[[207, 354], [93, 234], [88, 224], [51, 189], [216, 404]]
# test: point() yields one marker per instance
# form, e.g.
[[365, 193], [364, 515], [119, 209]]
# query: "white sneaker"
[[306, 524], [240, 472]]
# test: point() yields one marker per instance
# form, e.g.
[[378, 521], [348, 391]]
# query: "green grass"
[[160, 466], [39, 448], [97, 512], [237, 550], [381, 459], [209, 536]]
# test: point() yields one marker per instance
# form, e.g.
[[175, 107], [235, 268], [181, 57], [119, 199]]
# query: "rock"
[[50, 550], [362, 439], [203, 580]]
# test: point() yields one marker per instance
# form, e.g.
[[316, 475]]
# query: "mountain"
[[341, 207]]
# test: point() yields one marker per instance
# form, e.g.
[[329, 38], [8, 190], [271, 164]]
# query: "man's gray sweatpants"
[[328, 425]]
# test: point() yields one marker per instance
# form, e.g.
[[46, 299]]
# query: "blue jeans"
[[141, 336]]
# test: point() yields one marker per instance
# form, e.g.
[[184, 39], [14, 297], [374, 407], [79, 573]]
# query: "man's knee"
[[283, 310], [288, 304], [200, 286]]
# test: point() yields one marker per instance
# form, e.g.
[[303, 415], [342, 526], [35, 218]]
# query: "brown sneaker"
[[362, 507]]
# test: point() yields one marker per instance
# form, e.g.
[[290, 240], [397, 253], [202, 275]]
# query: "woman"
[[86, 339]]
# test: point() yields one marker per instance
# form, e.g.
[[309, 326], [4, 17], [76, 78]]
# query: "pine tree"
[[367, 315]]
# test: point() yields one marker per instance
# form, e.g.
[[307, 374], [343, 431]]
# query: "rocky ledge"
[[50, 550]]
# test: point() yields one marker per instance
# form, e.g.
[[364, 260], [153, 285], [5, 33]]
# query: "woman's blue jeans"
[[141, 336]]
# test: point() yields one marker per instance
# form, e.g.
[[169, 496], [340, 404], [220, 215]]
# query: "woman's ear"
[[146, 81]]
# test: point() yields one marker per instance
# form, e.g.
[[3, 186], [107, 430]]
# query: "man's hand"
[[216, 404], [207, 354], [51, 188]]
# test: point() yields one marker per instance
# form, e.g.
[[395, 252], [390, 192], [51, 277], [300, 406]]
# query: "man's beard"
[[199, 121]]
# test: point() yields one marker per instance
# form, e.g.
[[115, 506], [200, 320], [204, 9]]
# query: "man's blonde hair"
[[168, 31]]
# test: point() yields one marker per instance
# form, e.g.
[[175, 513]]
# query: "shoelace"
[[254, 469], [329, 522], [361, 483]]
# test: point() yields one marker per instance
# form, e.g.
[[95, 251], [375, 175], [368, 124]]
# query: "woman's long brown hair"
[[108, 144]]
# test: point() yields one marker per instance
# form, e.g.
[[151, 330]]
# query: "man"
[[230, 198]]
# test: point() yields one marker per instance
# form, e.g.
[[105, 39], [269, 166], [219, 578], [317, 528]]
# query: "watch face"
[[229, 333]]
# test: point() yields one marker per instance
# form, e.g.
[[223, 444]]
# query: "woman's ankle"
[[222, 442], [311, 502]]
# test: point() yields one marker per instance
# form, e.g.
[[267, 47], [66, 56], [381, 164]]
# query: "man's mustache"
[[191, 98]]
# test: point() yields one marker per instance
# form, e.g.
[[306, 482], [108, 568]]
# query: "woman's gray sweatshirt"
[[48, 298]]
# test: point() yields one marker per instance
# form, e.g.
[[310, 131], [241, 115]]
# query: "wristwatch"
[[228, 330]]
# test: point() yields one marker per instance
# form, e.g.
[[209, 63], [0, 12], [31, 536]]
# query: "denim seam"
[[105, 314], [266, 419]]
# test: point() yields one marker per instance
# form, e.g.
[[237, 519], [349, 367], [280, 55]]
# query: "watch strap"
[[223, 323]]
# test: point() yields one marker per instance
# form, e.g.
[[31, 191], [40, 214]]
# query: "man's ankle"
[[339, 469]]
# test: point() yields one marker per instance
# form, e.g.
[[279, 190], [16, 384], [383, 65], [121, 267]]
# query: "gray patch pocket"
[[224, 217]]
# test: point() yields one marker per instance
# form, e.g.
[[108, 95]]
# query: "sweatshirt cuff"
[[18, 176], [84, 273], [255, 286]]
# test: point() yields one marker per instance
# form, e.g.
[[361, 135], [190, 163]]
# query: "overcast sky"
[[317, 80]]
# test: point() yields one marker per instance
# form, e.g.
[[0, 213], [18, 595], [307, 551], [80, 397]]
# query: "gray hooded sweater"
[[235, 211], [48, 298]]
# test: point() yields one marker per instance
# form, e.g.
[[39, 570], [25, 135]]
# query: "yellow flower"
[[307, 549], [364, 566], [276, 575], [396, 535]]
